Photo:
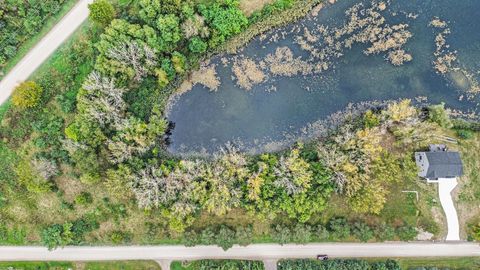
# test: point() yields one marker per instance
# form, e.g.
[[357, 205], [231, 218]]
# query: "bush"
[[57, 235], [197, 45], [406, 233], [362, 231], [339, 227], [101, 12], [84, 198], [438, 114], [27, 95], [465, 134]]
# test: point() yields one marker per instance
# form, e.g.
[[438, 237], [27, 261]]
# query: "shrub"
[[370, 119], [118, 237], [197, 45], [27, 95], [465, 134], [30, 179], [406, 233], [57, 235], [438, 114], [362, 231], [84, 198], [281, 234], [225, 238], [339, 227], [475, 231], [101, 12]]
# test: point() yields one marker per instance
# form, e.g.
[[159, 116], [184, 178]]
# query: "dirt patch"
[[69, 186]]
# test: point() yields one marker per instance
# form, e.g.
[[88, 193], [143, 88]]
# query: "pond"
[[273, 91]]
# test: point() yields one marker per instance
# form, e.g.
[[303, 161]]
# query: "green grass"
[[32, 41], [467, 263], [108, 265], [124, 265], [3, 109], [178, 266], [36, 265]]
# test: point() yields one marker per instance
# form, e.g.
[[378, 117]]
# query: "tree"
[[27, 95], [170, 33], [225, 18], [225, 238], [362, 231], [281, 234], [57, 235], [438, 114], [101, 12], [197, 45]]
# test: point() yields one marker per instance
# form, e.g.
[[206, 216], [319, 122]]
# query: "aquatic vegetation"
[[446, 62], [206, 75], [247, 73], [283, 63]]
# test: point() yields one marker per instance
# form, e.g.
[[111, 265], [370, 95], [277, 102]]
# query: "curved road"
[[47, 45], [257, 251]]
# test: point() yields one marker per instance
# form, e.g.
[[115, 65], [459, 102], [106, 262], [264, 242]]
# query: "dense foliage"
[[20, 20], [220, 265], [337, 265], [101, 12], [27, 95]]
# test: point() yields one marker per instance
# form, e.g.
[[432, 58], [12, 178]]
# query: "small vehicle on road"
[[322, 257]]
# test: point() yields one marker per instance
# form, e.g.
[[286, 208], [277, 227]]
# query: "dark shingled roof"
[[444, 165]]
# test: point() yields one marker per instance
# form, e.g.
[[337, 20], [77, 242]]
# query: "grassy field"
[[468, 191], [32, 41], [451, 263], [36, 265], [114, 265]]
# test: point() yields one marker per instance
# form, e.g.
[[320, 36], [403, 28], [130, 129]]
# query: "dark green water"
[[258, 120]]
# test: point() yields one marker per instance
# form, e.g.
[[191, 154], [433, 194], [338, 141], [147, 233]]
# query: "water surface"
[[255, 119]]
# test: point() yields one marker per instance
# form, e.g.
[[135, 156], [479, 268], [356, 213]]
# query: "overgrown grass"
[[122, 265], [36, 265], [32, 41], [467, 263], [107, 265]]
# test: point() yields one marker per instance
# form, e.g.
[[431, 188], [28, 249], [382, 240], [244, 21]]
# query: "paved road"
[[44, 49], [259, 251]]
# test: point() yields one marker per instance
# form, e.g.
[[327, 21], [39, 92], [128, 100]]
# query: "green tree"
[[27, 95], [225, 237], [57, 235], [197, 45], [101, 12], [281, 234], [362, 231], [438, 114], [170, 33], [225, 18]]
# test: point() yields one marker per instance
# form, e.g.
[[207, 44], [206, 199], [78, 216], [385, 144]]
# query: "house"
[[438, 163]]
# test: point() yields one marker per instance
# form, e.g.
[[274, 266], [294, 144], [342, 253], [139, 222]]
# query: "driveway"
[[445, 188], [47, 45], [257, 252]]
